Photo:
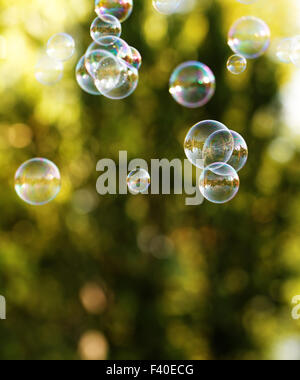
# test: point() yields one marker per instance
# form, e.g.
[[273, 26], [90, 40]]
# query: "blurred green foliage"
[[146, 277]]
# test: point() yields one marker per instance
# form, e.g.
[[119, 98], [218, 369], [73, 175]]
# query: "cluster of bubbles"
[[110, 67], [192, 84], [249, 38], [221, 154], [50, 67]]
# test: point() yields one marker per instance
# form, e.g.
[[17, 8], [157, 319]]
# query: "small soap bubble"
[[61, 47], [284, 50], [192, 84], [166, 7], [196, 138], [239, 155], [121, 9], [138, 181], [219, 183], [236, 64], [48, 71], [218, 147], [127, 84], [250, 37], [84, 79], [107, 25], [136, 60], [37, 181]]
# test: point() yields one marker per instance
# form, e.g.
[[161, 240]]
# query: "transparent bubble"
[[61, 47], [236, 64], [107, 25], [219, 183], [218, 147], [196, 139], [138, 181], [127, 84], [295, 53], [136, 60], [93, 61], [48, 71], [121, 9], [113, 45], [37, 181], [192, 84], [166, 7], [240, 152], [249, 37], [284, 50], [84, 79], [108, 74]]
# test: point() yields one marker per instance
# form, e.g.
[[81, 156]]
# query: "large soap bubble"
[[37, 181], [196, 138], [218, 147], [250, 37], [219, 183], [121, 9], [192, 84]]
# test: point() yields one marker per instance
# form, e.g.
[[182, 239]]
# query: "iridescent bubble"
[[250, 37], [136, 60], [138, 181], [121, 9], [93, 60], [240, 152], [218, 147], [48, 71], [127, 84], [196, 139], [192, 84], [108, 74], [84, 79], [295, 53], [284, 50], [166, 7], [219, 183], [113, 45], [107, 25], [61, 47], [236, 64], [37, 181]]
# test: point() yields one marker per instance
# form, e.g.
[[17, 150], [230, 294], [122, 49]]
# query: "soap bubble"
[[84, 79], [113, 45], [166, 7], [94, 59], [61, 47], [136, 60], [249, 37], [37, 181], [295, 53], [236, 64], [121, 9], [196, 139], [218, 147], [127, 84], [138, 181], [192, 84], [48, 71], [108, 74], [107, 25], [284, 50], [219, 183], [240, 152]]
